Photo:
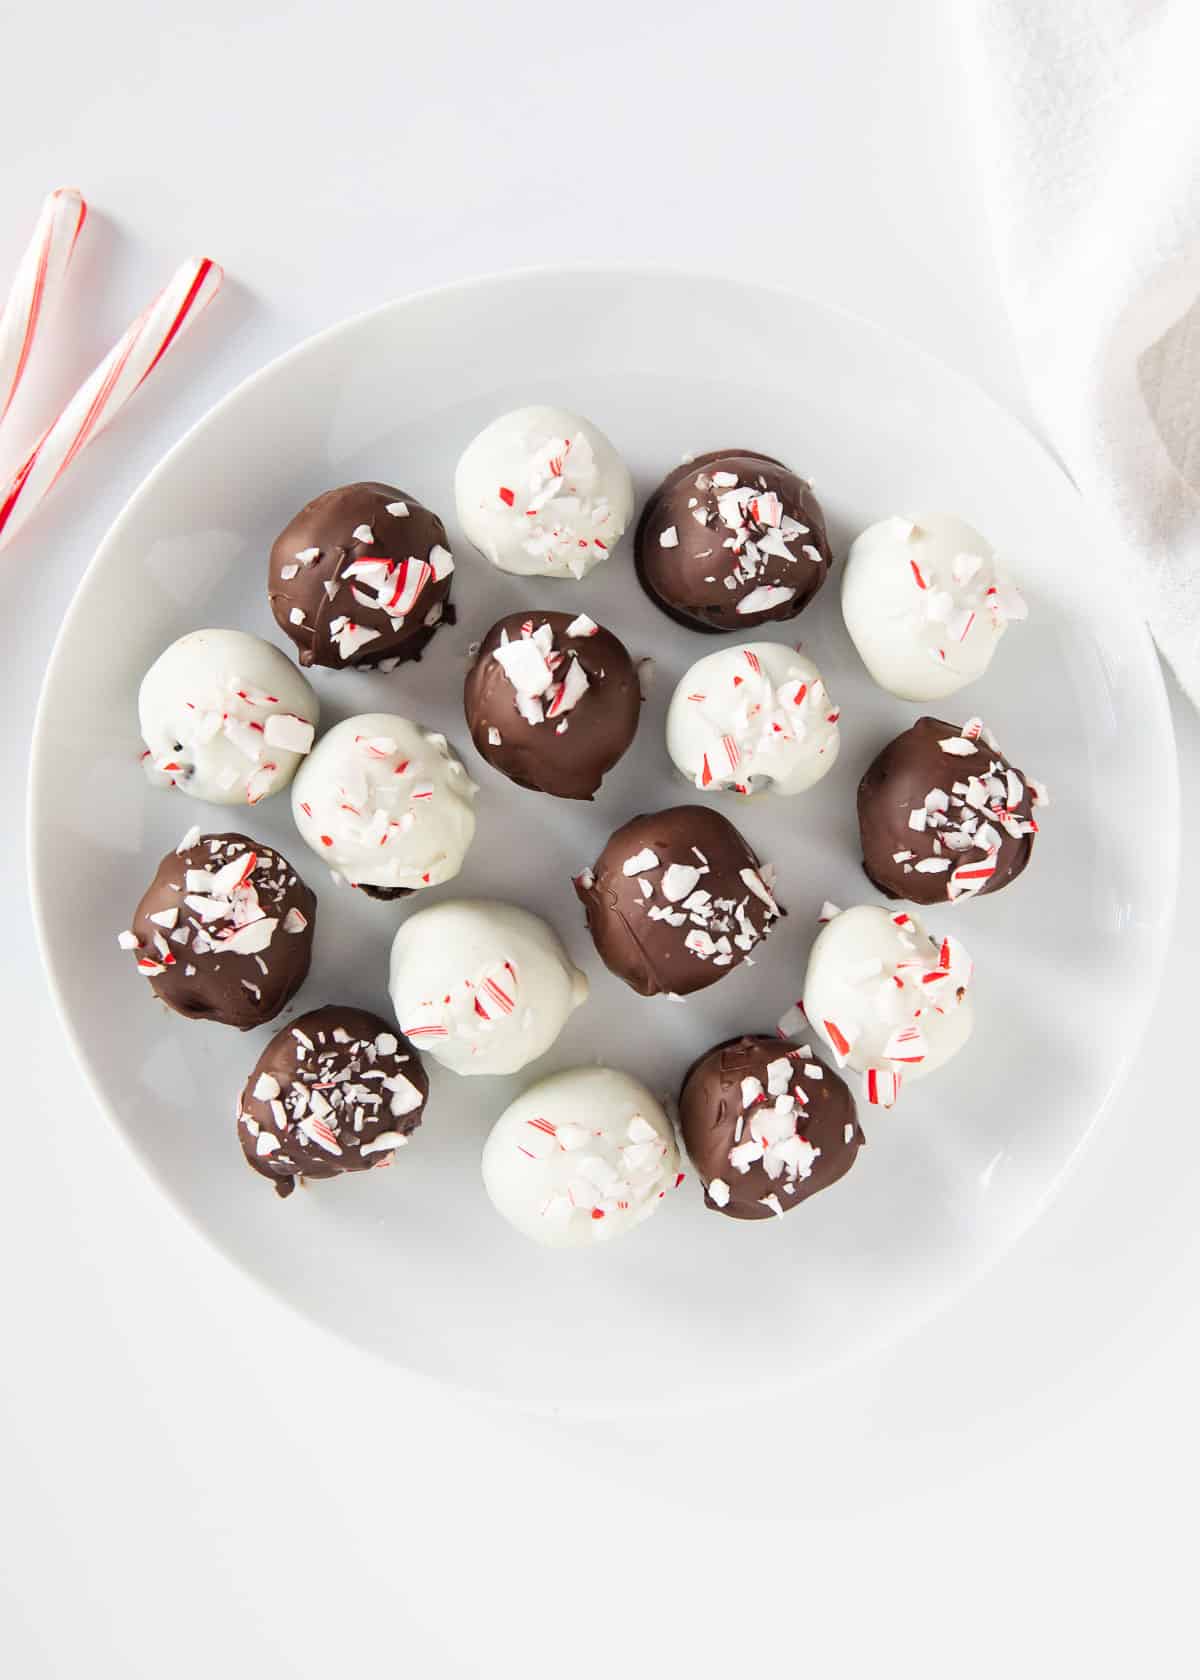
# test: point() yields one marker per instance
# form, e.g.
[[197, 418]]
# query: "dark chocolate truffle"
[[552, 701], [361, 576], [943, 814], [766, 1125], [336, 1091], [731, 540], [677, 899], [224, 931]]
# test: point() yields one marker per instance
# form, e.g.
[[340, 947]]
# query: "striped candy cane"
[[38, 287], [101, 397]]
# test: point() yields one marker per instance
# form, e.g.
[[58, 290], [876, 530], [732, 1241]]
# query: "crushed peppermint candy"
[[968, 821], [969, 594], [888, 1008], [351, 637], [603, 1175], [564, 518], [226, 731], [547, 683], [756, 534], [768, 1130], [715, 928], [765, 598], [330, 1095], [746, 729], [229, 901]]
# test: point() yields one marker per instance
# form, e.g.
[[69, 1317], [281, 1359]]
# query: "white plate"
[[413, 1263]]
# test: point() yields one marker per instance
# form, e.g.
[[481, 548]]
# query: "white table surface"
[[1010, 1489]]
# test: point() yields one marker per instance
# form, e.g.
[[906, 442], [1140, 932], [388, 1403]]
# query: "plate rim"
[[628, 273]]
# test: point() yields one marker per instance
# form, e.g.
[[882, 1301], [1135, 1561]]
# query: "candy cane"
[[38, 287], [101, 397]]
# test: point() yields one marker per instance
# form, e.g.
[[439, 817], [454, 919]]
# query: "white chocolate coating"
[[225, 717], [889, 1000], [926, 604], [480, 986], [580, 1158], [386, 803], [542, 492], [752, 718]]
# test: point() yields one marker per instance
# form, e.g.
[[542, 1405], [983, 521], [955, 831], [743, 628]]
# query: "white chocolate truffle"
[[753, 718], [580, 1158], [890, 1000], [926, 604], [482, 987], [386, 804], [543, 493], [225, 717]]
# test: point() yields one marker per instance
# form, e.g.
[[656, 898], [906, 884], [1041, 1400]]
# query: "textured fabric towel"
[[1089, 135]]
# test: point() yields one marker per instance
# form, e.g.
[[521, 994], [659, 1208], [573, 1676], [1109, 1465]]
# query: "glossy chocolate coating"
[[204, 975], [688, 579], [338, 1090], [630, 927], [569, 756], [714, 1122], [327, 525], [901, 780]]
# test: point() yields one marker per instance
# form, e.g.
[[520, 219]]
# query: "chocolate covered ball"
[[552, 702], [336, 1091], [730, 540], [224, 931], [361, 576], [943, 814], [676, 899], [766, 1125]]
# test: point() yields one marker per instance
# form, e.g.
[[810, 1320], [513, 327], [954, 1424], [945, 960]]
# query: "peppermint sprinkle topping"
[[548, 684], [765, 598]]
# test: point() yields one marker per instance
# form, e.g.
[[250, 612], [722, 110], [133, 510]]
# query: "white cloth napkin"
[[1089, 114]]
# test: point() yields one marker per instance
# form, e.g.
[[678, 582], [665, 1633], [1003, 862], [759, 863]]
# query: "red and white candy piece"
[[101, 397], [882, 1086], [496, 992], [37, 287]]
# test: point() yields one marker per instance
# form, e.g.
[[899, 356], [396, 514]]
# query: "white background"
[[192, 1481]]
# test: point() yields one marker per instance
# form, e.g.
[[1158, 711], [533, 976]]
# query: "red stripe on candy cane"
[[101, 397], [37, 286], [204, 268]]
